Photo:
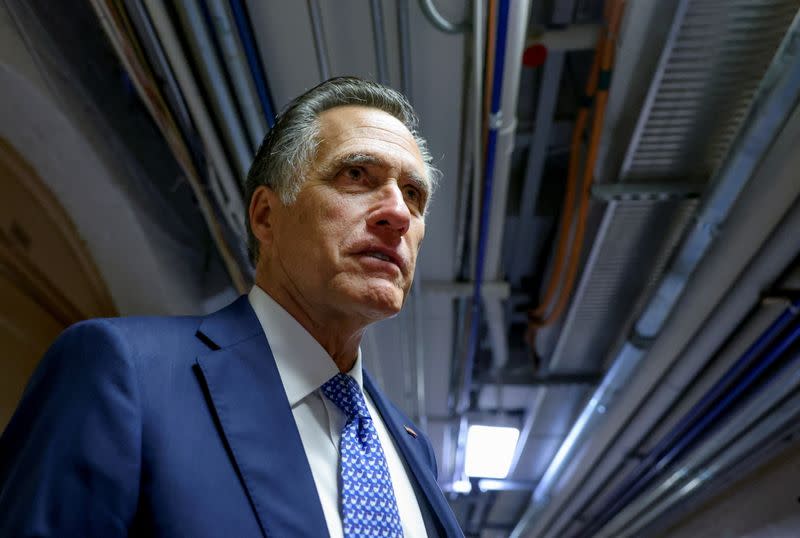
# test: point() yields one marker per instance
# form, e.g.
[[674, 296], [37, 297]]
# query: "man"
[[252, 421]]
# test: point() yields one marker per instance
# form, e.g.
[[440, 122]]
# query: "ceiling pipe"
[[379, 40], [756, 410], [436, 19], [512, 21], [404, 42], [495, 120], [182, 143], [320, 46], [226, 189], [775, 99], [234, 60], [712, 409], [253, 60], [767, 244], [213, 77], [765, 435]]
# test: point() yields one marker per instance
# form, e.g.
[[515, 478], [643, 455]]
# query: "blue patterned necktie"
[[367, 497]]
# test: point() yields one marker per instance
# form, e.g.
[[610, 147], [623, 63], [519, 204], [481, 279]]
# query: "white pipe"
[[515, 45]]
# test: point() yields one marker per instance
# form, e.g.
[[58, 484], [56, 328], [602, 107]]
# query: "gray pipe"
[[379, 40], [238, 71], [777, 95], [404, 42], [436, 18], [214, 79], [320, 46]]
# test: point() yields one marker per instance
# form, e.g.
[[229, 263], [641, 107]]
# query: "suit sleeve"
[[70, 457]]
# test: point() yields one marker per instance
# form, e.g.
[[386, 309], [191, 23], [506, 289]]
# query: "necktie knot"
[[344, 391]]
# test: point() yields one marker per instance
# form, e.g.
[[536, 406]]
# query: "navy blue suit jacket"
[[173, 427]]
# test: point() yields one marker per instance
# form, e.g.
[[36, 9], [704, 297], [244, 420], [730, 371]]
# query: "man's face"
[[348, 245]]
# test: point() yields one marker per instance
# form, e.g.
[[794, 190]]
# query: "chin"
[[382, 301]]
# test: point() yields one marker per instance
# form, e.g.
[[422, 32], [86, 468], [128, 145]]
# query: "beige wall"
[[764, 504]]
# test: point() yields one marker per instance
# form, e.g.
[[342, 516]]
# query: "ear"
[[262, 215]]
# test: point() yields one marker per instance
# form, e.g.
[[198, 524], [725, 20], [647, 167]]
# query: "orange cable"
[[605, 54], [568, 207]]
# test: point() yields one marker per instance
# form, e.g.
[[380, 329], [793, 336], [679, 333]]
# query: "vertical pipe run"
[[234, 62], [379, 39], [491, 150], [404, 41], [213, 76], [320, 46], [253, 60]]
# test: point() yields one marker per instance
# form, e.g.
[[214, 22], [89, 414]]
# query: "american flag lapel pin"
[[411, 432]]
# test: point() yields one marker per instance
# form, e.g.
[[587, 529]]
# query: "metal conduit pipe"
[[180, 145], [253, 59], [226, 189], [607, 453], [212, 74], [462, 396], [506, 129], [775, 99], [780, 422], [379, 40], [436, 18], [234, 61], [404, 42], [711, 410], [483, 223], [511, 27], [783, 381], [320, 46]]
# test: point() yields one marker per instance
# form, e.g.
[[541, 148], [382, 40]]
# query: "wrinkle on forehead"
[[363, 130]]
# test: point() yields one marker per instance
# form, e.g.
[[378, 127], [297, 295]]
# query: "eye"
[[412, 193], [355, 173]]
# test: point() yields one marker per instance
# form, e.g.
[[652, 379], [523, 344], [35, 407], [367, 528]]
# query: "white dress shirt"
[[304, 366]]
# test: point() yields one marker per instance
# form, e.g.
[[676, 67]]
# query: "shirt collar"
[[302, 362]]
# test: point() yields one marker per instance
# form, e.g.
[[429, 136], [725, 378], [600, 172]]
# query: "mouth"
[[385, 256]]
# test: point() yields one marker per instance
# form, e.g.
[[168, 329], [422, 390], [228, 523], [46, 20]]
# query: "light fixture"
[[490, 450], [462, 486]]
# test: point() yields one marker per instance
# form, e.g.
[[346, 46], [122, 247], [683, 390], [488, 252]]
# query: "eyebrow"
[[366, 159]]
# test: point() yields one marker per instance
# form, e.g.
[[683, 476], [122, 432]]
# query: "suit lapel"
[[412, 448], [249, 401]]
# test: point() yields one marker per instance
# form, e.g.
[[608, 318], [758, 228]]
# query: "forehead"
[[357, 129]]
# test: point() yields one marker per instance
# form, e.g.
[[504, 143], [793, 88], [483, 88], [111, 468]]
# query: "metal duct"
[[775, 99]]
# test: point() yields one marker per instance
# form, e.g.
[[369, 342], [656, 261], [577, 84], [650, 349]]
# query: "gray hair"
[[284, 156]]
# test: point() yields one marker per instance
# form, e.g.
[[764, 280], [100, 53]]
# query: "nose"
[[390, 212]]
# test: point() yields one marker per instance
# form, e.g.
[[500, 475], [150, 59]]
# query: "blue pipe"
[[764, 353], [253, 59], [741, 364], [491, 150]]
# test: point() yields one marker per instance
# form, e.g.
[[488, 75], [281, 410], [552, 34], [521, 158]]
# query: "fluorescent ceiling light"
[[490, 450]]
